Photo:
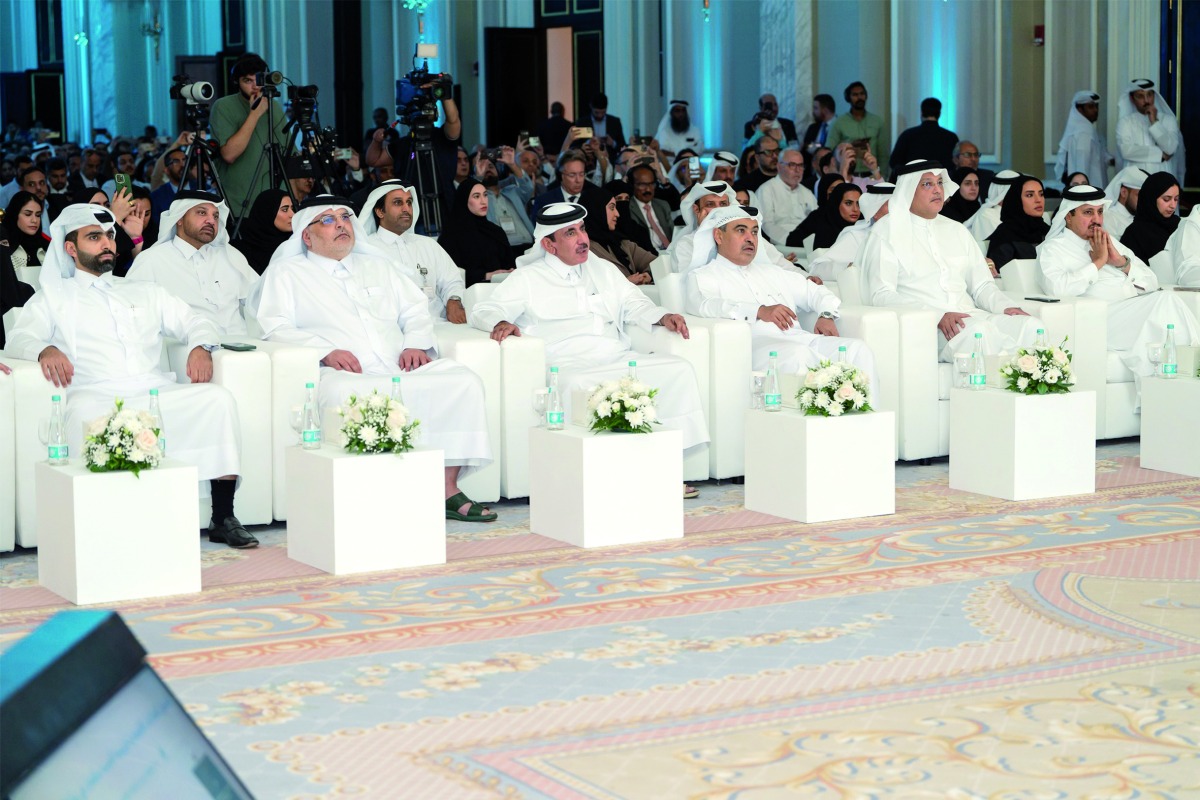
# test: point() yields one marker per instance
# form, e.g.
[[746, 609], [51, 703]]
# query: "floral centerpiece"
[[377, 424], [832, 389], [124, 440], [1040, 370], [625, 406]]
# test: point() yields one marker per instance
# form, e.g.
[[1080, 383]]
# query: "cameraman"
[[239, 126], [445, 141]]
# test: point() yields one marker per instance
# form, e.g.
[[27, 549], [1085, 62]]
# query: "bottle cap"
[[841, 348], [633, 363], [1170, 327], [554, 369], [979, 336], [773, 354], [55, 398], [308, 385], [154, 392], [1041, 331], [395, 379]]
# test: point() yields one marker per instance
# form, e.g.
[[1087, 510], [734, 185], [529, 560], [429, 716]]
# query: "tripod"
[[272, 154], [199, 153], [422, 170]]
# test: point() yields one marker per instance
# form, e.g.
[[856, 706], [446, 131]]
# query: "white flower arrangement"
[[833, 389], [377, 424], [625, 406], [1040, 370], [124, 440]]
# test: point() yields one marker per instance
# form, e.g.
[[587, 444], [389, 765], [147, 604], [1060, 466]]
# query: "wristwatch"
[[453, 297], [827, 315]]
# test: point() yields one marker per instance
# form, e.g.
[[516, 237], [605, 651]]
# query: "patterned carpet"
[[965, 647]]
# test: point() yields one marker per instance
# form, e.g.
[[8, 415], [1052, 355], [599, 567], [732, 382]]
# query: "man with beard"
[[647, 210], [676, 131], [1122, 193], [100, 338], [1082, 147], [162, 197], [768, 115], [860, 128], [388, 217], [193, 261], [766, 151], [1148, 133]]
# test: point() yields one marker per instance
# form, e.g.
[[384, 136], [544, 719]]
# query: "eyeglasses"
[[171, 161], [792, 164], [330, 219], [927, 185], [968, 154], [573, 174]]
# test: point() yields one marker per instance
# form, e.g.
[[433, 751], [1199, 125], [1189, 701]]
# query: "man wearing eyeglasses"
[[966, 154], [572, 185], [766, 155], [162, 197], [783, 200], [916, 257], [328, 288]]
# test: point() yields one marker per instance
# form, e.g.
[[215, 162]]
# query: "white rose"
[[1027, 363], [1022, 383], [94, 428], [396, 418], [845, 392], [369, 436], [810, 380], [1036, 374], [634, 418], [1060, 356], [1052, 376], [356, 415]]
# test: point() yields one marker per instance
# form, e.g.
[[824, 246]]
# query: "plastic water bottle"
[[156, 412], [772, 400], [310, 428], [1040, 342], [1170, 364], [633, 370], [978, 365], [396, 396], [842, 353], [554, 404], [56, 438]]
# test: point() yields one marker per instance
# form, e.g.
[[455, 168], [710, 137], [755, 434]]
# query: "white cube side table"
[[600, 489], [110, 536], [1022, 447], [816, 469], [352, 513], [1171, 425]]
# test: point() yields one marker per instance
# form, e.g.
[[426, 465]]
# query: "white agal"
[[582, 488], [1022, 447], [352, 513], [816, 469], [110, 536], [1171, 425]]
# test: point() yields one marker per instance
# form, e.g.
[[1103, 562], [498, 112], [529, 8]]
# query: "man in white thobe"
[[1082, 147], [580, 305], [389, 216], [101, 338], [1148, 133], [829, 264], [1184, 248], [722, 167], [916, 257], [193, 260], [676, 132], [1122, 195], [984, 221], [1079, 258], [693, 207], [729, 282], [327, 288], [784, 201]]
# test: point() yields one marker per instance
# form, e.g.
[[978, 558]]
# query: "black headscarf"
[[825, 186], [29, 242], [476, 244], [826, 223], [259, 237], [1147, 235], [596, 223], [1018, 234], [958, 208], [86, 194], [1067, 182]]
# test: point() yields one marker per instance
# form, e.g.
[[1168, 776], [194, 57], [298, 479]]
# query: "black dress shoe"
[[232, 533]]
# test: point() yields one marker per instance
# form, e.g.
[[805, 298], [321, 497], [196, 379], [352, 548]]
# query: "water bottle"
[[156, 413], [56, 438], [978, 365], [1170, 364], [396, 396], [310, 428], [1040, 342], [633, 370], [842, 353], [772, 400], [554, 404]]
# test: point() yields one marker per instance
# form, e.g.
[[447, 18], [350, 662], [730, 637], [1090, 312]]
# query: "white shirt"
[[1067, 270], [983, 223], [845, 251], [1116, 219], [783, 208], [672, 142], [580, 311], [214, 281], [724, 290], [1184, 249], [1143, 145], [684, 244], [944, 270], [1086, 152], [423, 261], [110, 329], [360, 304], [653, 222]]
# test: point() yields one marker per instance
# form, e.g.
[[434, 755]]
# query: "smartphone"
[[145, 147], [586, 133], [535, 141], [238, 347], [124, 183], [694, 166], [522, 136], [343, 153], [637, 134], [1043, 299]]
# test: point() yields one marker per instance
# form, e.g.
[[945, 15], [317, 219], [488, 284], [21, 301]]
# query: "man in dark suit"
[[966, 154], [553, 130], [606, 127], [927, 141], [571, 187], [768, 109], [824, 110], [88, 175], [648, 211]]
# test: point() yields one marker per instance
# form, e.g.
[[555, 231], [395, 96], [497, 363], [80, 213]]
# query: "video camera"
[[197, 93], [303, 101], [418, 92], [268, 81]]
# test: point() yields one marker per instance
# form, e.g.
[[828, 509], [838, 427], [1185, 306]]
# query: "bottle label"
[[770, 400], [58, 451], [979, 380], [1170, 369], [311, 436], [554, 417]]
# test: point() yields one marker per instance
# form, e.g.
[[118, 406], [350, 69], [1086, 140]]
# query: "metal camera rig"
[[417, 97], [200, 151]]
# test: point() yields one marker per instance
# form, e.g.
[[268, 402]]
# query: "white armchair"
[[8, 463], [475, 350]]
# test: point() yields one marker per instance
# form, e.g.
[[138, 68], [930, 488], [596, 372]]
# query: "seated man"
[[730, 281], [580, 305], [1123, 192], [829, 264], [194, 261], [389, 217], [101, 338], [1079, 258], [327, 288], [1184, 249], [916, 257], [784, 200], [723, 167]]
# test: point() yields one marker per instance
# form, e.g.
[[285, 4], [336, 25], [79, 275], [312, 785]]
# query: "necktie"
[[824, 132], [649, 212], [572, 198]]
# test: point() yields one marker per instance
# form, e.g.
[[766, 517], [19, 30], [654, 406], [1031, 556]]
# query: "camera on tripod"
[[193, 93], [268, 81], [303, 102], [418, 92]]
